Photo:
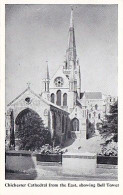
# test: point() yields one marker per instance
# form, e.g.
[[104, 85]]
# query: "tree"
[[31, 132], [109, 128], [12, 138]]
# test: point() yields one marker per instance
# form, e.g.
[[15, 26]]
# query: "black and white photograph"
[[61, 92]]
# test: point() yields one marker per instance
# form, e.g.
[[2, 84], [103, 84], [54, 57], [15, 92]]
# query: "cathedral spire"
[[71, 50], [47, 74], [71, 18], [46, 80]]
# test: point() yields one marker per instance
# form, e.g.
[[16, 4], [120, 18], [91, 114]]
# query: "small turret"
[[78, 79], [46, 80]]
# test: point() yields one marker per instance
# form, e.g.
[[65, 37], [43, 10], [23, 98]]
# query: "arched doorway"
[[75, 125], [30, 132], [26, 115]]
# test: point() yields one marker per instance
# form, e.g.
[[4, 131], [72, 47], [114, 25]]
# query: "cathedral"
[[64, 88], [65, 110]]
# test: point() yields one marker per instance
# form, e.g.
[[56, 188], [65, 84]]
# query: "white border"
[[39, 191]]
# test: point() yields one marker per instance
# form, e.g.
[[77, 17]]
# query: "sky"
[[39, 33]]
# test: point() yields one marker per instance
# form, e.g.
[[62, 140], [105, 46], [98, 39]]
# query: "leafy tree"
[[12, 138], [109, 128], [31, 132]]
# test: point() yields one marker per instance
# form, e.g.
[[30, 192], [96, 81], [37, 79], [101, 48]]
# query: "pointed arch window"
[[65, 99], [75, 124], [96, 107], [52, 98], [58, 94], [99, 116], [63, 124]]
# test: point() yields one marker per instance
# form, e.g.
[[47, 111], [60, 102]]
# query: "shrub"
[[48, 149]]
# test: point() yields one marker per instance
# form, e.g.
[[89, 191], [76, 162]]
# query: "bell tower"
[[71, 63], [71, 66]]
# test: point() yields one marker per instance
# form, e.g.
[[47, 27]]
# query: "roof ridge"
[[22, 94]]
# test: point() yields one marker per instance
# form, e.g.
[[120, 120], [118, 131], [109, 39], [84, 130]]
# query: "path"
[[84, 145]]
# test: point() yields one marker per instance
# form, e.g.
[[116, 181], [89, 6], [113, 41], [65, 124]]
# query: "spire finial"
[[71, 18], [47, 70], [71, 7], [28, 85]]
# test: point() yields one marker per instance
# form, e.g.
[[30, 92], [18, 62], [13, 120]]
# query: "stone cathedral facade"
[[64, 109], [64, 88]]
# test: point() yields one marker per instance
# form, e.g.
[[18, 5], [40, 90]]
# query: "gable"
[[59, 73], [76, 113], [26, 98], [30, 99]]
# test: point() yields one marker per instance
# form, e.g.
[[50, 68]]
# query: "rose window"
[[58, 82]]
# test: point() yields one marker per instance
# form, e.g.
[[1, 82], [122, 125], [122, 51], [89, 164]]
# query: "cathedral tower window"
[[65, 99], [58, 94], [99, 116], [52, 98], [96, 107]]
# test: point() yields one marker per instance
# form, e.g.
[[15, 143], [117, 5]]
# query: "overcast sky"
[[36, 33]]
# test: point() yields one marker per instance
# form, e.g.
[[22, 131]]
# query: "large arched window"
[[63, 124], [52, 98], [75, 124], [58, 102], [96, 107], [28, 125], [65, 99]]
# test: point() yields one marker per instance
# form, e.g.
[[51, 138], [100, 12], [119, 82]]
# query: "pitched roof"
[[78, 103], [27, 89], [93, 95], [54, 105], [81, 95], [44, 100]]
